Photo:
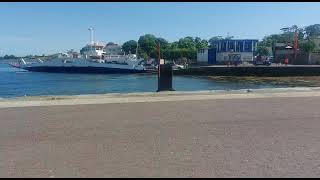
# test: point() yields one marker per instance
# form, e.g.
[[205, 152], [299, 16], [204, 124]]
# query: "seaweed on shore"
[[309, 81]]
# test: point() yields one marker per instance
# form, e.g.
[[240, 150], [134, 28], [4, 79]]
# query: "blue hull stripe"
[[91, 70]]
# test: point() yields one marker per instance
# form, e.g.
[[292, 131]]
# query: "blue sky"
[[44, 28]]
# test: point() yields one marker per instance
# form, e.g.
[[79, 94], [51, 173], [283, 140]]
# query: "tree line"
[[8, 57], [16, 57], [187, 47], [305, 36], [146, 47]]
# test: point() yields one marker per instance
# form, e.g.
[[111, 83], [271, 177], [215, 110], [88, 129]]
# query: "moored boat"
[[91, 59]]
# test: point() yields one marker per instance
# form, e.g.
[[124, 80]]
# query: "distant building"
[[282, 51], [286, 50], [113, 49], [227, 50]]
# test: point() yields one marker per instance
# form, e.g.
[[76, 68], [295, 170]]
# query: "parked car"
[[259, 61], [177, 66], [270, 58], [266, 63]]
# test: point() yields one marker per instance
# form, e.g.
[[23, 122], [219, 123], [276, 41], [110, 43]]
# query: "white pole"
[[91, 35], [137, 50]]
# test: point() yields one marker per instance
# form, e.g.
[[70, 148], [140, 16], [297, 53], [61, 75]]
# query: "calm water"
[[15, 82]]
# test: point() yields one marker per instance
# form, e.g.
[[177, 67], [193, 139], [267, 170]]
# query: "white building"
[[202, 56]]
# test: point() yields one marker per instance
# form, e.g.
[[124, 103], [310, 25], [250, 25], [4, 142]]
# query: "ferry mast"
[[91, 37], [91, 34]]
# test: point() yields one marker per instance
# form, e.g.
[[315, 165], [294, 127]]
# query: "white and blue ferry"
[[91, 59]]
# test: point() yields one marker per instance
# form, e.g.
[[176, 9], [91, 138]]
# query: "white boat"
[[178, 67], [91, 59]]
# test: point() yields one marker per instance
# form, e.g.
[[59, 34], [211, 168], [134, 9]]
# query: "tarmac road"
[[258, 137]]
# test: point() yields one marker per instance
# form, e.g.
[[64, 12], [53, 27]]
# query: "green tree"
[[287, 36], [262, 50], [308, 47], [197, 40], [312, 31], [289, 33], [213, 39], [200, 44], [204, 44], [147, 43], [173, 45], [163, 43], [269, 40], [110, 43], [187, 43], [293, 28], [9, 57], [129, 47], [179, 53]]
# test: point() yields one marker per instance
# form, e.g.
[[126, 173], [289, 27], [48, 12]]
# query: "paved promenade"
[[253, 136]]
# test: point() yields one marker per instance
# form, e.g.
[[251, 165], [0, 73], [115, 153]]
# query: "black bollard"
[[165, 78]]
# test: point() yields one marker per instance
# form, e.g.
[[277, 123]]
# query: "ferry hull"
[[86, 70]]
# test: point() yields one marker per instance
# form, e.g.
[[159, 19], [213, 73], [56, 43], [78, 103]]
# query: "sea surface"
[[16, 83]]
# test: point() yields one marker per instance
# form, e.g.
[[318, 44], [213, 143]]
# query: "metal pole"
[[137, 49], [91, 35], [158, 48]]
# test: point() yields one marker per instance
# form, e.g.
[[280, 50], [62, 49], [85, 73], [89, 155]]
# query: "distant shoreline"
[[158, 97]]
